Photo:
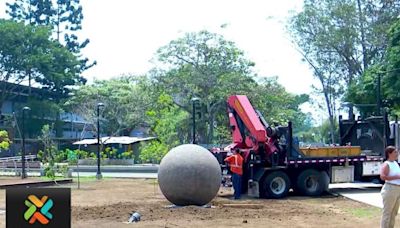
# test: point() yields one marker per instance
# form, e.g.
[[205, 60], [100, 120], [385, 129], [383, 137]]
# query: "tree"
[[27, 52], [169, 123], [49, 152], [125, 104], [207, 66], [391, 83], [340, 40], [365, 91], [277, 105], [64, 17]]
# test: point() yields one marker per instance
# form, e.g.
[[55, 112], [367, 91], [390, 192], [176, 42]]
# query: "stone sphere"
[[189, 175]]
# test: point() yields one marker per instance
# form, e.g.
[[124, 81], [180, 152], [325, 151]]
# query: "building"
[[70, 126]]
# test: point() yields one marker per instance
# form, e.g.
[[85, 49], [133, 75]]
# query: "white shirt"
[[394, 170]]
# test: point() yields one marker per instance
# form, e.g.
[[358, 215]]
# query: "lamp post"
[[98, 175], [194, 100], [24, 109]]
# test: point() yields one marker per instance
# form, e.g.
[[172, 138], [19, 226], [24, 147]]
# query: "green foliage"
[[49, 154], [64, 17], [72, 156], [153, 152], [308, 137], [127, 155], [318, 134], [4, 140], [27, 52], [49, 171], [326, 131], [278, 106], [200, 64], [391, 82], [125, 103], [207, 66], [109, 153], [168, 124], [340, 40], [365, 90]]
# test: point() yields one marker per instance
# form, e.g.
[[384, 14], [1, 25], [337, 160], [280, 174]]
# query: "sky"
[[124, 34]]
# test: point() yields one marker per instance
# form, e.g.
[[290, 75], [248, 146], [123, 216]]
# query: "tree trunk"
[[362, 31], [330, 112], [210, 128], [211, 117], [58, 23]]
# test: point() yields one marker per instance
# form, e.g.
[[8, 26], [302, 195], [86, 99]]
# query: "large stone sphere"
[[189, 175]]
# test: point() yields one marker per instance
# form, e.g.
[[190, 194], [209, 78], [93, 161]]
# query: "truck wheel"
[[311, 182], [276, 185]]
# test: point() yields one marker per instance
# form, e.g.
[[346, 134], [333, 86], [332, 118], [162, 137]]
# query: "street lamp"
[[24, 109], [194, 100], [98, 175]]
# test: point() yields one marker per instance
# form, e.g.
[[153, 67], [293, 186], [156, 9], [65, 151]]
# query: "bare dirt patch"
[[107, 203]]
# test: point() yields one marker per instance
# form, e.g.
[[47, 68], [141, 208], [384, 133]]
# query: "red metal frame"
[[257, 133]]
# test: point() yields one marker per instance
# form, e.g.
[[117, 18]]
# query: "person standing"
[[235, 163], [390, 173]]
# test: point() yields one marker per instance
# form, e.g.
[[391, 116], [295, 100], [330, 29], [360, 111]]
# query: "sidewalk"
[[117, 174], [368, 193]]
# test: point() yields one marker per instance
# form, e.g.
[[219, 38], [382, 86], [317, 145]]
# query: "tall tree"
[[63, 16], [386, 72], [342, 39], [207, 66], [277, 105], [391, 82], [27, 52], [125, 104], [169, 123]]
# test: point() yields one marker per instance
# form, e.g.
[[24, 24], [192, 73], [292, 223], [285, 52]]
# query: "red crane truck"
[[274, 164]]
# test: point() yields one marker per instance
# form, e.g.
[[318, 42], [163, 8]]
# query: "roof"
[[114, 140]]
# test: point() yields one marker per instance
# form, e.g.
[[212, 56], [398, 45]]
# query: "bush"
[[153, 152], [127, 155]]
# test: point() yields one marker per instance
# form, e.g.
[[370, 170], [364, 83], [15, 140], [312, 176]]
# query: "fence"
[[13, 165]]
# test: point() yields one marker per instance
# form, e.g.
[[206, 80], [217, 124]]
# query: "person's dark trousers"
[[237, 185]]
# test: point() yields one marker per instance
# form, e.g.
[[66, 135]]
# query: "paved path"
[[114, 174], [363, 192]]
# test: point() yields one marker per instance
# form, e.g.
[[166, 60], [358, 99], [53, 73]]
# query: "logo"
[[38, 209]]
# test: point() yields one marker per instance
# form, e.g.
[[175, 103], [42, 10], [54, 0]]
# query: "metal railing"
[[18, 158], [6, 161]]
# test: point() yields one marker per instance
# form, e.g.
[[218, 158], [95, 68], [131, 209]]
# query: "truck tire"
[[276, 185], [311, 182]]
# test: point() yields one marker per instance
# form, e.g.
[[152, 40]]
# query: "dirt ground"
[[107, 203]]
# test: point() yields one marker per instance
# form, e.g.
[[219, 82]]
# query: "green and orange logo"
[[38, 209]]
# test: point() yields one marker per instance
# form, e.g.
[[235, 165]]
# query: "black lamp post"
[[98, 175], [24, 109], [194, 100]]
